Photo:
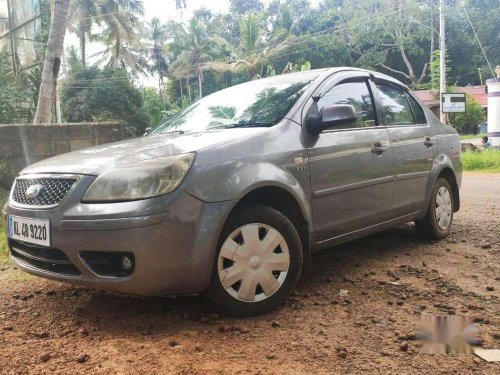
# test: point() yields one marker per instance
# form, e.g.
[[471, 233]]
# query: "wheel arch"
[[448, 175], [285, 200], [445, 170]]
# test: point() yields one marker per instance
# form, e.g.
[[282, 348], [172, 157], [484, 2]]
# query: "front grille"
[[42, 258], [52, 191]]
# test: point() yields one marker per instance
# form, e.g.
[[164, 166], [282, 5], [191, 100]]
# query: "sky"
[[164, 10]]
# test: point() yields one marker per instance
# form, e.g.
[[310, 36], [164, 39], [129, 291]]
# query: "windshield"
[[262, 102]]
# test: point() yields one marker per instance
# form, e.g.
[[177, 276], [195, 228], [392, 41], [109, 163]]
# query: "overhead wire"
[[479, 42]]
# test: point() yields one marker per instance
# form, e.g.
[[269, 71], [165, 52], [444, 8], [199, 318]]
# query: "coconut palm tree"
[[198, 51], [123, 47], [52, 63], [252, 49], [156, 37], [283, 25], [84, 14]]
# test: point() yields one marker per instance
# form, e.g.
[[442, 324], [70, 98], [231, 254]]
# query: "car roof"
[[323, 73]]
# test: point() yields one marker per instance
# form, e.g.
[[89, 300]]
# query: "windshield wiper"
[[249, 125], [174, 132]]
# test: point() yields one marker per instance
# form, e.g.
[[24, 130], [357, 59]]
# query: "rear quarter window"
[[418, 112]]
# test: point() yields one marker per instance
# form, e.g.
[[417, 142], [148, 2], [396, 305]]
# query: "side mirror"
[[330, 117]]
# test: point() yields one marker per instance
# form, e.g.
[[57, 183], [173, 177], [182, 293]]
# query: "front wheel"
[[437, 221], [257, 264]]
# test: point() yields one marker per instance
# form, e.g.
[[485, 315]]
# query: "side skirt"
[[365, 231]]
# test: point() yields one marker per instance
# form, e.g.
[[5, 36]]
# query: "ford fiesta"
[[232, 195]]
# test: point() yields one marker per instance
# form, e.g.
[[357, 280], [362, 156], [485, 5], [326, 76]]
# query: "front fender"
[[232, 180]]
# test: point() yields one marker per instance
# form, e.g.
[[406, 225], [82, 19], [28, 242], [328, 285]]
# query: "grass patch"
[[4, 196], [486, 161], [4, 253], [471, 136]]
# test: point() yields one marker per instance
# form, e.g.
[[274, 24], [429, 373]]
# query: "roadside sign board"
[[453, 103]]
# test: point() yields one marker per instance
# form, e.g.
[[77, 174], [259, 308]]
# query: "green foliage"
[[14, 99], [435, 71], [15, 104], [485, 161], [92, 94], [153, 105], [246, 6], [257, 39], [466, 122], [464, 137]]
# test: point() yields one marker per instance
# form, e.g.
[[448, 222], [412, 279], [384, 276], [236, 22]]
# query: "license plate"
[[33, 231]]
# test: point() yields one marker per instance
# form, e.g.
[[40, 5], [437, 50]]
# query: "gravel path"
[[48, 327]]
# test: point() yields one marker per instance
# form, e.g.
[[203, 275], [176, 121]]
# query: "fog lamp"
[[126, 263]]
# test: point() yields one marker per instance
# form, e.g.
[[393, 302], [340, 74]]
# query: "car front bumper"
[[173, 239]]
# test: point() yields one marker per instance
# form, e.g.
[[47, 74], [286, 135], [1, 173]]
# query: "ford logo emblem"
[[34, 190]]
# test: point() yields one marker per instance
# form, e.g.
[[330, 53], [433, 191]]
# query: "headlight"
[[144, 179]]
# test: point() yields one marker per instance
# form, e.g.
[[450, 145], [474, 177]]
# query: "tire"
[[437, 222], [242, 265]]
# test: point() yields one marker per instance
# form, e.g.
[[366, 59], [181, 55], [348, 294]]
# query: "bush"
[[487, 161], [153, 105], [466, 122]]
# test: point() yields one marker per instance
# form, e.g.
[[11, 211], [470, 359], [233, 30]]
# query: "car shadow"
[[124, 315]]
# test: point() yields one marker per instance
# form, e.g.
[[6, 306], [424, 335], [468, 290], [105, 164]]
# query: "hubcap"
[[443, 208], [253, 262]]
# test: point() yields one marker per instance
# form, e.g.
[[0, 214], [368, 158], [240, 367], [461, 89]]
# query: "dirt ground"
[[48, 327]]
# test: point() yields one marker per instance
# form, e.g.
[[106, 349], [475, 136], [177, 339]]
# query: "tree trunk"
[[83, 43], [200, 80], [52, 62], [189, 89]]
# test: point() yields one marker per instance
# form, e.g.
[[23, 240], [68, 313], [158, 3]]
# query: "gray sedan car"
[[232, 195]]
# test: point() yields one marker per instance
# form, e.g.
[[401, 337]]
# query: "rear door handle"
[[428, 141], [379, 148]]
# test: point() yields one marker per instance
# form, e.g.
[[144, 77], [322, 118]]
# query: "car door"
[[350, 166], [413, 145]]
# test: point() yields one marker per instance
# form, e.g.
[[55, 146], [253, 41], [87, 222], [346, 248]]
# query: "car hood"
[[96, 160]]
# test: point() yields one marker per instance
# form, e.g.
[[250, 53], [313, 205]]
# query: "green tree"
[[158, 34], [52, 62], [282, 27], [435, 71], [153, 105], [113, 14], [198, 50], [15, 103], [467, 122], [246, 6], [251, 51], [93, 94]]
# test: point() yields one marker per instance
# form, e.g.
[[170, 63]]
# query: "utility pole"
[[442, 58], [480, 75]]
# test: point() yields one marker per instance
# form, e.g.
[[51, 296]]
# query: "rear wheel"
[[439, 217], [258, 262]]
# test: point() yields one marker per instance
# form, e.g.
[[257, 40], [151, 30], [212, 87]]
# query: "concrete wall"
[[21, 145]]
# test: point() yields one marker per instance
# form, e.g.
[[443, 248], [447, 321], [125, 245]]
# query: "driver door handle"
[[379, 148], [428, 141]]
